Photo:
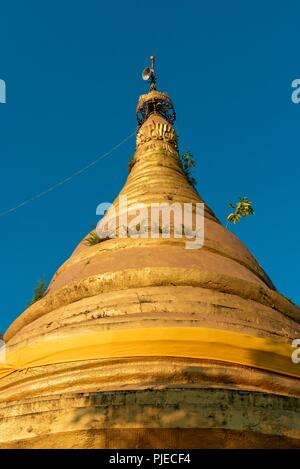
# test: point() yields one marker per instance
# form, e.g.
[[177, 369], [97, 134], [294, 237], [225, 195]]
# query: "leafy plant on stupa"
[[187, 163], [243, 208], [92, 239], [131, 163], [39, 292]]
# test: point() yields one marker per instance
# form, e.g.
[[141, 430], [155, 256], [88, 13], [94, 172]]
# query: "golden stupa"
[[142, 343]]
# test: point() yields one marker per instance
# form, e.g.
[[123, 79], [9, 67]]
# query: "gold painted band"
[[188, 342]]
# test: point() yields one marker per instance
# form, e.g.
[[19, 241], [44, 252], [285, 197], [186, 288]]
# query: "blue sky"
[[72, 70]]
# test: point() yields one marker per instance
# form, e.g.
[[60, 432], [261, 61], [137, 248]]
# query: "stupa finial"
[[154, 102], [149, 74]]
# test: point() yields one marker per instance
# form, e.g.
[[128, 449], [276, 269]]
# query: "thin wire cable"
[[65, 180]]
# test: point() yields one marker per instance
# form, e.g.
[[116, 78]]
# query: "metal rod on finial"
[[149, 74], [153, 77]]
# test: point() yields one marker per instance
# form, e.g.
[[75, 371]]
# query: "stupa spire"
[[149, 74], [154, 102]]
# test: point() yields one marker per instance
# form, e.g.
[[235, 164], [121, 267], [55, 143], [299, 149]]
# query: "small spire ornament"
[[155, 102], [149, 74]]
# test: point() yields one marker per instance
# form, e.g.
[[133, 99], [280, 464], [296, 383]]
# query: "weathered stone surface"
[[82, 418]]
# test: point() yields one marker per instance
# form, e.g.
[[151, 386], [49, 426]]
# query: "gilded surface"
[[133, 284], [155, 130], [155, 94]]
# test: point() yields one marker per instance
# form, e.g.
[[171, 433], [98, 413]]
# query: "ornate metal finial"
[[155, 102], [149, 74]]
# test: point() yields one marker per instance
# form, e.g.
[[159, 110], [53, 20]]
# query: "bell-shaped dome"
[[140, 342]]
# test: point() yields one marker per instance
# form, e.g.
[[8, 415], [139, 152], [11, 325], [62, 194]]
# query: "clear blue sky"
[[72, 70]]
